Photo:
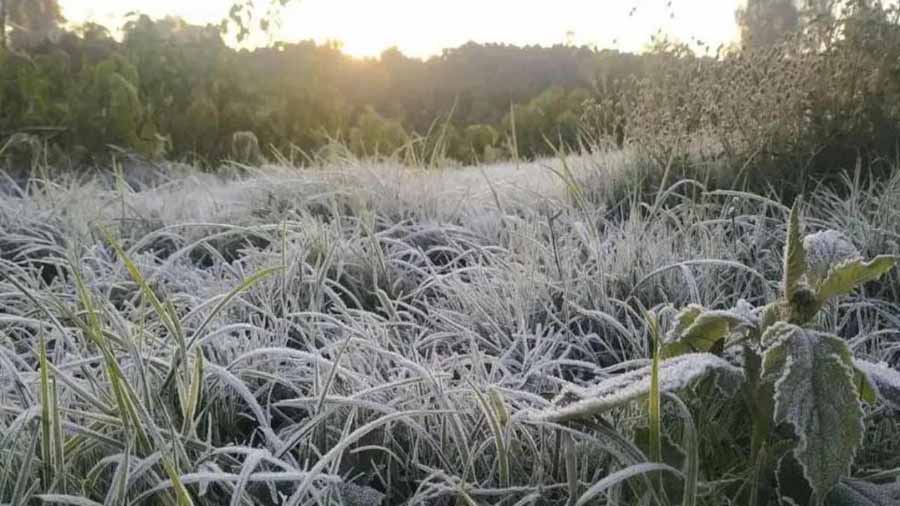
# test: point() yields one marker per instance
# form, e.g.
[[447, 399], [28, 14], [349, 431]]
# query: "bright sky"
[[424, 27]]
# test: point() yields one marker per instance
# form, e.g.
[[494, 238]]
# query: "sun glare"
[[423, 28]]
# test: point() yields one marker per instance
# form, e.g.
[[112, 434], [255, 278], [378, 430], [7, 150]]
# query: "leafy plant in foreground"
[[803, 387]]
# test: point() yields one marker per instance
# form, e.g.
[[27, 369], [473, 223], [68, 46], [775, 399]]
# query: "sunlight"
[[423, 28]]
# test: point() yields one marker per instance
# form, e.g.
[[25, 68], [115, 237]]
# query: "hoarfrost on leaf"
[[847, 275], [794, 255], [674, 374], [861, 493], [826, 249], [816, 394], [683, 320], [352, 494], [698, 330], [885, 380]]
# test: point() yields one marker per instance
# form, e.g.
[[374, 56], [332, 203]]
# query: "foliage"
[[767, 22], [808, 107], [186, 93], [793, 375]]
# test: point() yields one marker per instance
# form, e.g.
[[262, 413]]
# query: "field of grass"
[[364, 334]]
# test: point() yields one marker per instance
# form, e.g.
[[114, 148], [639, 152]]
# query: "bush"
[[809, 107]]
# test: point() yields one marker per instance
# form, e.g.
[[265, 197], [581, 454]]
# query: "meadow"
[[362, 333]]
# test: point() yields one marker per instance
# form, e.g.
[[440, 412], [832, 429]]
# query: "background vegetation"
[[810, 89], [175, 90]]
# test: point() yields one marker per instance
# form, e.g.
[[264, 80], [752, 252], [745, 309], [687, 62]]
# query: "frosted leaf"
[[698, 330], [847, 275], [795, 266], [745, 310], [816, 394], [683, 320], [776, 335], [885, 380], [352, 494], [674, 374], [861, 493], [826, 249]]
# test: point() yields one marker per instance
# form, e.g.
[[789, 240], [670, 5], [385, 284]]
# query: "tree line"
[[167, 88]]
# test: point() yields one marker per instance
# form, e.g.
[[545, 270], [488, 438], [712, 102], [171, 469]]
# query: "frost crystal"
[[826, 249]]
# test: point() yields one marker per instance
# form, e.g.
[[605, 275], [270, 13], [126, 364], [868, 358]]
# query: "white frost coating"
[[352, 494], [885, 379], [826, 249], [739, 319], [816, 395], [674, 374], [861, 493]]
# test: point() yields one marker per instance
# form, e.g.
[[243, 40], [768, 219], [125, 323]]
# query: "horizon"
[[420, 32]]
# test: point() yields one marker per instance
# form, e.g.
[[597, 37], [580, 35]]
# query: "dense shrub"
[[809, 107]]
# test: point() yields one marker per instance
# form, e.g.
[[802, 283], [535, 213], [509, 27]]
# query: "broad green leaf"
[[794, 254], [882, 381], [708, 329], [847, 275], [815, 393], [685, 318], [698, 330], [676, 349], [768, 316], [776, 334], [674, 374]]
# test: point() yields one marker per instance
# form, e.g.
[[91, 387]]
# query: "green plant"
[[802, 387]]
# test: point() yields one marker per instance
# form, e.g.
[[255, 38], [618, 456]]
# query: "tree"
[[242, 16], [767, 22], [35, 15], [32, 19]]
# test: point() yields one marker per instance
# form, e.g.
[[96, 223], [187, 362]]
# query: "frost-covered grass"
[[368, 334]]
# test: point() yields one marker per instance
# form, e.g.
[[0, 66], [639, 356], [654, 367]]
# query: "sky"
[[423, 27]]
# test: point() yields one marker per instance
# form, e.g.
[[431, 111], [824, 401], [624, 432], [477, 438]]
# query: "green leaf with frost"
[[776, 334], [882, 380], [769, 315], [698, 330], [847, 275], [674, 374], [824, 250], [815, 393], [794, 254], [868, 392], [685, 318], [675, 349]]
